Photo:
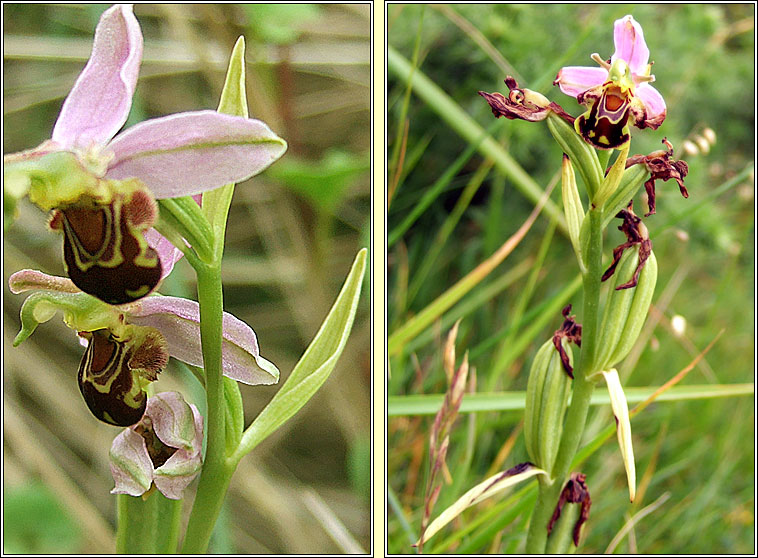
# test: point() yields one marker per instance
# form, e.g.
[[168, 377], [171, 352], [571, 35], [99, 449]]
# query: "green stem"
[[582, 391], [148, 526], [216, 474], [184, 215]]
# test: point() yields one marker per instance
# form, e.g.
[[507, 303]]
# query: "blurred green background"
[[293, 233], [699, 454]]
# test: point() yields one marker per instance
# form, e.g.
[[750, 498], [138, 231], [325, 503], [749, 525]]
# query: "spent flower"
[[575, 492], [661, 166], [571, 331], [636, 235], [523, 104]]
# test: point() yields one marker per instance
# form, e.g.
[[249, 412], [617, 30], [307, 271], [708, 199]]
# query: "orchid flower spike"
[[129, 345], [616, 91], [102, 189], [163, 450]]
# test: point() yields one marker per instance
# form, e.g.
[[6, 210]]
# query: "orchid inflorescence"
[[129, 204], [615, 94], [101, 188]]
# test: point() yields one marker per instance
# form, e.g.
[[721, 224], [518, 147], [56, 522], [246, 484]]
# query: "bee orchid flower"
[[163, 450], [617, 91], [129, 345], [102, 189]]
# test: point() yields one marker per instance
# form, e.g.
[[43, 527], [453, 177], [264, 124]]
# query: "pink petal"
[[178, 319], [630, 44], [101, 98], [174, 476], [31, 280], [173, 421], [653, 100], [574, 80], [131, 466], [191, 152], [167, 252]]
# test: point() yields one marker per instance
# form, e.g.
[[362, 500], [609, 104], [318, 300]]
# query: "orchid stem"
[[216, 474], [582, 388], [148, 526]]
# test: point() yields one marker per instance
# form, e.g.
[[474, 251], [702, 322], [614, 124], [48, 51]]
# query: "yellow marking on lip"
[[138, 293]]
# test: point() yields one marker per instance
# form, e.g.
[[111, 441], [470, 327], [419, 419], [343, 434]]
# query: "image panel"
[[186, 349], [570, 279]]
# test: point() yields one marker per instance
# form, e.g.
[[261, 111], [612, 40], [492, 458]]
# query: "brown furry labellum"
[[113, 372]]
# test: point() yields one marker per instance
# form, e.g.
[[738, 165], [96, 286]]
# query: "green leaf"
[[314, 366], [465, 126], [148, 526]]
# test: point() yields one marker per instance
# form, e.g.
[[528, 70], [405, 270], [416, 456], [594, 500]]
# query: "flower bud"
[[690, 148], [678, 325], [163, 448], [547, 395], [703, 144]]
